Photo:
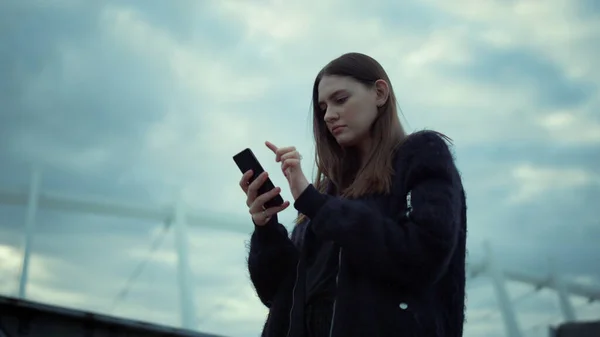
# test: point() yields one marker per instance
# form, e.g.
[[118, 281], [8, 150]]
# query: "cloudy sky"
[[145, 102]]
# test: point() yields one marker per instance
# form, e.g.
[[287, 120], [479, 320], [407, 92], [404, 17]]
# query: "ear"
[[382, 90]]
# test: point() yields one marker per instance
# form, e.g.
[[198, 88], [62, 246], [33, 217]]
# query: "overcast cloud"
[[144, 101]]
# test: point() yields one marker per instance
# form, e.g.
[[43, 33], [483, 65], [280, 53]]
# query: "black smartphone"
[[246, 160]]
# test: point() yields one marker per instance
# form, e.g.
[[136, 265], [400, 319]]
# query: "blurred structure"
[[178, 218], [25, 318], [577, 329], [553, 280]]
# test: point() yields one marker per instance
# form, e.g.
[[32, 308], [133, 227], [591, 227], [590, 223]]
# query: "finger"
[[283, 151], [244, 181], [271, 146], [272, 210], [262, 218], [260, 201], [290, 164], [254, 186], [276, 209], [291, 155]]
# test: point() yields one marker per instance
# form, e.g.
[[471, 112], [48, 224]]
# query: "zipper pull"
[[408, 205]]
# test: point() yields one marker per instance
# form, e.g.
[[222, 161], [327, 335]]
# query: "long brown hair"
[[341, 167]]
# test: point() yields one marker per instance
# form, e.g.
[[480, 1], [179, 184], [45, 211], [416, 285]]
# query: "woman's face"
[[350, 108]]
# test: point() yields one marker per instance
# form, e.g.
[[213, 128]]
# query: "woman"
[[379, 246]]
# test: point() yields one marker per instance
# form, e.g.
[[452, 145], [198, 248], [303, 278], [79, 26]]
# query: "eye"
[[341, 100]]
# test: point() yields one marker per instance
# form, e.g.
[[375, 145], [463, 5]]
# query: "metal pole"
[[561, 290], [186, 291], [32, 205], [508, 315]]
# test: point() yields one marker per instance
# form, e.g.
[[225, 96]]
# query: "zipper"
[[293, 297], [337, 277]]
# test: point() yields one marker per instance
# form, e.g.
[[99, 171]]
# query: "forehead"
[[331, 84]]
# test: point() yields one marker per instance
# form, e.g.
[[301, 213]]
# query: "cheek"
[[349, 113], [370, 114], [360, 117]]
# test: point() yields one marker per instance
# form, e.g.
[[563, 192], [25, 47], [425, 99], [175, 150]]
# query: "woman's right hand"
[[255, 203]]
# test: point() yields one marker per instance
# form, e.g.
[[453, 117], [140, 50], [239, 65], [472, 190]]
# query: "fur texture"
[[402, 270]]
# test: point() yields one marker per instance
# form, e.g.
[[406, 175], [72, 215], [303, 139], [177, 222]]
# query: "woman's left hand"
[[290, 165]]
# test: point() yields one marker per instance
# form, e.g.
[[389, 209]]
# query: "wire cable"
[[514, 301], [156, 243]]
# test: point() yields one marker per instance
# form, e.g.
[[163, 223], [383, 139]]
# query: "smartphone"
[[246, 161]]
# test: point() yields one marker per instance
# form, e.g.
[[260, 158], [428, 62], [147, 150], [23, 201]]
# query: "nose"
[[331, 114]]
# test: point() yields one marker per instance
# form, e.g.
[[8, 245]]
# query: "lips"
[[337, 128]]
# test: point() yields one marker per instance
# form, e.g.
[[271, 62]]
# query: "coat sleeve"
[[272, 258], [413, 248]]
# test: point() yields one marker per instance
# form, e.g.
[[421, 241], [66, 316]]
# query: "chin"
[[345, 140]]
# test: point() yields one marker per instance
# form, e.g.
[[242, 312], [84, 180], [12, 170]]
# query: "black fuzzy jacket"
[[401, 256]]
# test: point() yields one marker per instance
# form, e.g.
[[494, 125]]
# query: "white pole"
[[186, 289], [564, 301], [32, 205], [508, 315]]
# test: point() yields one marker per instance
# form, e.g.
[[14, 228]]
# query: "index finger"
[[271, 146], [244, 182]]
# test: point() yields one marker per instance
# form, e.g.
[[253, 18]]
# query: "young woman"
[[379, 244]]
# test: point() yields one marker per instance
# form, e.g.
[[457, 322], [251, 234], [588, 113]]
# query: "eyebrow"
[[333, 94]]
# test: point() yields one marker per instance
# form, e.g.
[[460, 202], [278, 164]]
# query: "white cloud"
[[199, 132], [554, 28], [52, 155], [283, 22], [532, 181], [567, 127], [203, 73], [10, 264], [433, 99], [555, 32], [40, 274], [220, 103], [323, 30]]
